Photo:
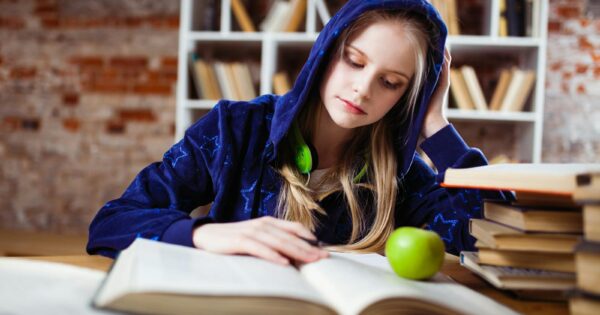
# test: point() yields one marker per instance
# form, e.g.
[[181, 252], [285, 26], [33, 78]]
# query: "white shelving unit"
[[529, 51]]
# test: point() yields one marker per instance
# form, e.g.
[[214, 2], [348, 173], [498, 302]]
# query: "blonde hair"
[[297, 202]]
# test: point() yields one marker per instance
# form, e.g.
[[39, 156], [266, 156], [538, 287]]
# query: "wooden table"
[[451, 268]]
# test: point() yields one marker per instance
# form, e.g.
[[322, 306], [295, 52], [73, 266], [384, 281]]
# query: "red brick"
[[568, 12], [554, 26], [70, 99], [11, 122], [581, 68], [567, 75], [44, 8], [564, 87], [584, 43], [581, 89], [23, 73], [585, 22], [141, 115], [108, 87], [115, 127], [87, 61], [169, 62], [597, 71], [132, 62], [71, 124], [1, 60], [164, 89], [50, 21], [556, 66], [12, 22], [161, 76]]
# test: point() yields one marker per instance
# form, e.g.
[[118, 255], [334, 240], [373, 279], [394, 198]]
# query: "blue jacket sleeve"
[[424, 203], [157, 204]]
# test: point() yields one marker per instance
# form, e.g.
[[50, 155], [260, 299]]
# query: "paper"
[[36, 287]]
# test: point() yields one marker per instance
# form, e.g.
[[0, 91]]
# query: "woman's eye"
[[390, 85], [353, 63]]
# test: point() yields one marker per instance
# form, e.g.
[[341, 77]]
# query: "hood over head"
[[289, 105]]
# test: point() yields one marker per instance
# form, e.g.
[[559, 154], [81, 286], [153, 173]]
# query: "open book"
[[159, 278]]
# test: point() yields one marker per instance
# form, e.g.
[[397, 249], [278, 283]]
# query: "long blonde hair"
[[375, 142]]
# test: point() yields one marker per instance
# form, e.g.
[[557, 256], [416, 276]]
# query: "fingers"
[[272, 239]]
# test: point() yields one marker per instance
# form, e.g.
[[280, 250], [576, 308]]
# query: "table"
[[451, 268]]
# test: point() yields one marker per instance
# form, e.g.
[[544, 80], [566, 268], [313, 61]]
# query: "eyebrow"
[[365, 55]]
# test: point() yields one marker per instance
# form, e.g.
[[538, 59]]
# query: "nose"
[[362, 85]]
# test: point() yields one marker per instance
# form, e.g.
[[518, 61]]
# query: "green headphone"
[[306, 157]]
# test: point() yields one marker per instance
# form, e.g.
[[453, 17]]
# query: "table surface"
[[451, 268]]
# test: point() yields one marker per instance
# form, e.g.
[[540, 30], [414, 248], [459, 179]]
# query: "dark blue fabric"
[[226, 157]]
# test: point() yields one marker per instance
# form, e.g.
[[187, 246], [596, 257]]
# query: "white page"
[[351, 283], [161, 267], [36, 287]]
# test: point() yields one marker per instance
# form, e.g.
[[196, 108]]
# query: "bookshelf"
[[210, 27]]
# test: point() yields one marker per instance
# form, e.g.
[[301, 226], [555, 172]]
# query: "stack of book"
[[283, 16], [529, 245], [448, 12], [586, 298], [519, 18], [219, 79]]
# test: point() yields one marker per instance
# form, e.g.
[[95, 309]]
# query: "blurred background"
[[88, 98]]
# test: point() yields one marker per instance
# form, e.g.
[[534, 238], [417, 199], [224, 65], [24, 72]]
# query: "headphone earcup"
[[305, 155], [314, 156]]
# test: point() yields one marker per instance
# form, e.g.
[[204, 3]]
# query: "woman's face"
[[359, 88]]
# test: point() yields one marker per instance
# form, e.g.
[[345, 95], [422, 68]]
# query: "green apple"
[[415, 253]]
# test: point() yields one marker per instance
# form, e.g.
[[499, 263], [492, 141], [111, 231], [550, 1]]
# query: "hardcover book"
[[160, 278]]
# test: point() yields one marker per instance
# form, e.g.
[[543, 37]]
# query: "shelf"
[[497, 42], [466, 115], [225, 36]]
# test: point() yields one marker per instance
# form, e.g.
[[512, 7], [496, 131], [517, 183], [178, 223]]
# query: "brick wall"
[[87, 98], [572, 109]]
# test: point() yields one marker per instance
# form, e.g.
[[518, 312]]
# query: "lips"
[[352, 108]]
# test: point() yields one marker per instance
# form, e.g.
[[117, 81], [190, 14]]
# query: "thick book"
[[513, 278], [242, 16], [458, 89], [498, 236], [591, 222], [583, 303], [520, 86], [557, 179], [296, 16], [474, 88], [587, 262], [501, 87], [160, 278], [535, 219], [563, 262]]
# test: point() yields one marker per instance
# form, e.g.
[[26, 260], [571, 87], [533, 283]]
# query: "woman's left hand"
[[435, 118]]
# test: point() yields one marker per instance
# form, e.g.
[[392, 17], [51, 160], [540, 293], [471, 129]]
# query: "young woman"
[[332, 159]]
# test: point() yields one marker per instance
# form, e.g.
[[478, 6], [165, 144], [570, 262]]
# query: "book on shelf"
[[535, 218], [459, 91], [498, 236], [500, 90], [515, 16], [284, 16], [591, 221], [204, 78], [161, 278], [474, 88], [448, 12], [513, 278], [587, 260], [503, 23], [543, 178], [281, 83], [583, 303], [296, 15], [225, 80], [518, 90], [242, 16], [243, 79], [276, 17], [564, 262]]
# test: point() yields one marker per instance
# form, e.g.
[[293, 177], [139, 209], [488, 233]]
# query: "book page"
[[352, 282], [37, 287], [161, 267]]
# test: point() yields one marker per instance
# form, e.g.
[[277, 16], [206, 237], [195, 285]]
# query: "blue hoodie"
[[227, 158]]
